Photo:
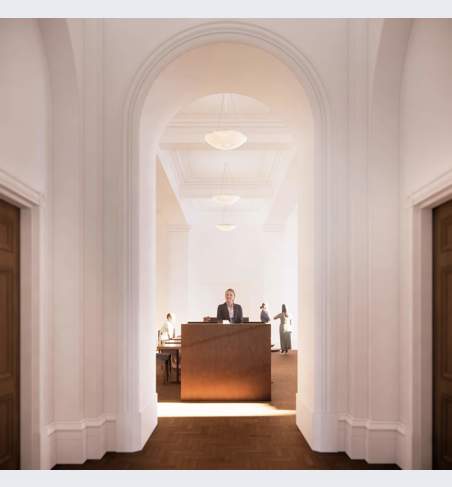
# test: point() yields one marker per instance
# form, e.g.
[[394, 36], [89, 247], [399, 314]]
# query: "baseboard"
[[78, 441], [373, 441], [134, 429], [319, 429], [405, 458], [304, 419], [149, 420], [360, 439]]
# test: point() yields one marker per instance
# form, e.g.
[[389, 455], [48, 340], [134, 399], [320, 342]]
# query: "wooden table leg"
[[168, 369]]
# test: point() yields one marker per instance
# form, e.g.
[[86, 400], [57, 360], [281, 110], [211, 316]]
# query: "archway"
[[209, 60], [197, 259]]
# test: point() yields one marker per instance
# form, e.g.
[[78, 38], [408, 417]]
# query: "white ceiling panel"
[[254, 171]]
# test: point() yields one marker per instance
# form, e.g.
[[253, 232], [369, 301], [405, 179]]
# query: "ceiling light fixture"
[[226, 199], [225, 227], [225, 139]]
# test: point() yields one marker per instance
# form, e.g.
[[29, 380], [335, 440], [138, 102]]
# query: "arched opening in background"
[[214, 64], [197, 261]]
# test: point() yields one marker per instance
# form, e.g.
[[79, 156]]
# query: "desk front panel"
[[226, 362]]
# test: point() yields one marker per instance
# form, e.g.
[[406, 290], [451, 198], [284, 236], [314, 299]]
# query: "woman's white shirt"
[[287, 323], [231, 312], [167, 330]]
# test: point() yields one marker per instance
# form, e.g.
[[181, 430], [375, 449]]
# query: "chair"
[[166, 359]]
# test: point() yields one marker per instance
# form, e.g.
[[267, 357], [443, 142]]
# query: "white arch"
[[135, 420]]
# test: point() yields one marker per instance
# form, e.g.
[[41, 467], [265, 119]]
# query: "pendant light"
[[225, 139], [226, 199], [225, 227]]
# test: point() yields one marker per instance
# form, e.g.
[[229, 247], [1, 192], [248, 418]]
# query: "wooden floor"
[[266, 442]]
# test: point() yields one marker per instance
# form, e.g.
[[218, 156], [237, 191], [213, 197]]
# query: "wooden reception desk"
[[226, 362]]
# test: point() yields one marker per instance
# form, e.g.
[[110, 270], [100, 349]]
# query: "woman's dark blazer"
[[223, 313]]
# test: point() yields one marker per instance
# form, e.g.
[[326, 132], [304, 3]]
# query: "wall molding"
[[77, 441], [416, 451], [199, 146], [81, 425], [245, 190], [19, 192], [373, 425], [432, 193], [360, 438], [32, 314], [186, 178], [196, 121], [371, 440], [419, 204], [178, 228]]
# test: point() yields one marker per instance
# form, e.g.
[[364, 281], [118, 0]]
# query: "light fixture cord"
[[223, 180], [222, 108], [234, 110]]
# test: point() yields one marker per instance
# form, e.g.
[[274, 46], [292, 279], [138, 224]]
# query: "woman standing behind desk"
[[285, 329], [229, 311]]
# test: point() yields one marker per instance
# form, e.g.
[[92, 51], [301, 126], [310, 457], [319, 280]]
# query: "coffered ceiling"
[[197, 171]]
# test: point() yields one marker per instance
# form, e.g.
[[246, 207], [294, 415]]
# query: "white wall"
[[79, 325], [384, 226], [24, 92], [289, 279], [258, 262], [172, 255], [426, 146], [425, 157]]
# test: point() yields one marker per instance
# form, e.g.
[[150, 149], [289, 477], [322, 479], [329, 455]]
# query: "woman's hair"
[[262, 305], [284, 309], [230, 290], [168, 316]]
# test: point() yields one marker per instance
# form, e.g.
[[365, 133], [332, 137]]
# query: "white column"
[[177, 273], [92, 222], [359, 240], [79, 428]]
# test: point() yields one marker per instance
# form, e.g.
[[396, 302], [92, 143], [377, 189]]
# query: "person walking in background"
[[285, 329], [265, 317]]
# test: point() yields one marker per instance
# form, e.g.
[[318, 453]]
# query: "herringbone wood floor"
[[270, 442]]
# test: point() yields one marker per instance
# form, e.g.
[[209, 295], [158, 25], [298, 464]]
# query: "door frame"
[[30, 203], [421, 204]]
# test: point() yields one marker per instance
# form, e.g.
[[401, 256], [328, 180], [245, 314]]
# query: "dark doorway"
[[442, 336], [9, 336]]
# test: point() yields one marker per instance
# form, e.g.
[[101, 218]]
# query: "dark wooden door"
[[9, 336], [442, 336]]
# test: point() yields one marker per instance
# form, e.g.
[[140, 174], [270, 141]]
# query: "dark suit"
[[223, 313]]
